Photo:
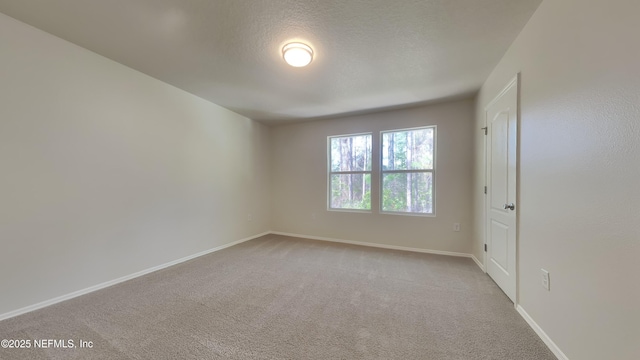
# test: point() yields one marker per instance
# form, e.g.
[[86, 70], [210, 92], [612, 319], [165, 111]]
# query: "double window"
[[406, 173]]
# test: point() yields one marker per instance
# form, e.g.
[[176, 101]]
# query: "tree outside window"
[[407, 172], [350, 172]]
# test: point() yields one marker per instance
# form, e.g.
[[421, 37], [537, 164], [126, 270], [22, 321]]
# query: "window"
[[408, 171], [350, 172]]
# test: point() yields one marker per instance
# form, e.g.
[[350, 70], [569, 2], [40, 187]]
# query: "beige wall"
[[299, 153], [107, 172], [579, 173]]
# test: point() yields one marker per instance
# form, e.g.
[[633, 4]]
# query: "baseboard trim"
[[543, 335], [480, 265], [383, 246], [106, 284]]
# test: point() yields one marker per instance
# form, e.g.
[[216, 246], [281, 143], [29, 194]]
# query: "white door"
[[501, 206]]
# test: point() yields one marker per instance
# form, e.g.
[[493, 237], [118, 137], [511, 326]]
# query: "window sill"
[[351, 211], [407, 214]]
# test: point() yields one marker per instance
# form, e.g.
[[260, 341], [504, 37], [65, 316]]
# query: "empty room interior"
[[301, 179]]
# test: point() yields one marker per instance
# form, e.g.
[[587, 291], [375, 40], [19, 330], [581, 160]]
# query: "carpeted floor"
[[278, 297]]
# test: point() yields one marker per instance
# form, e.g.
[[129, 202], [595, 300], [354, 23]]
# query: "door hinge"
[[485, 247], [485, 189], [486, 128]]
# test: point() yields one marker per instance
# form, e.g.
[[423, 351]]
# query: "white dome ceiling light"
[[297, 54]]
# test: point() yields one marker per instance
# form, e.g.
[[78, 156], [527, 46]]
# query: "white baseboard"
[[383, 246], [480, 265], [106, 284], [547, 340]]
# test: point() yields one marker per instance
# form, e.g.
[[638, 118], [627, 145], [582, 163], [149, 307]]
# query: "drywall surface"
[[299, 155], [107, 172], [229, 51], [579, 171]]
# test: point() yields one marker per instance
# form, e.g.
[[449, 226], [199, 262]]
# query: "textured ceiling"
[[369, 54]]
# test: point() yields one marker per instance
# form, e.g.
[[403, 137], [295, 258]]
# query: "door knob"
[[511, 206]]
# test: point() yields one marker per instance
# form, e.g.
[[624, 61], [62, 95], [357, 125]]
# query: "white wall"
[[106, 171], [579, 173], [300, 180]]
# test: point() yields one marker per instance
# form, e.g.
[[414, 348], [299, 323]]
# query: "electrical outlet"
[[250, 217], [545, 279], [456, 227], [313, 216]]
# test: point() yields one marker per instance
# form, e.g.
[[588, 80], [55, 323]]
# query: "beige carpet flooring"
[[278, 297]]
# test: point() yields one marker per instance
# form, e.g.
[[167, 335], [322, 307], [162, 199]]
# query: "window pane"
[[351, 191], [408, 192], [351, 153], [408, 150]]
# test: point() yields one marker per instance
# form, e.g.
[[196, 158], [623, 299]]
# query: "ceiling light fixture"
[[297, 54]]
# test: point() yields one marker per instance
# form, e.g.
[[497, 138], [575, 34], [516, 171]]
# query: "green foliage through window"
[[407, 171], [350, 172]]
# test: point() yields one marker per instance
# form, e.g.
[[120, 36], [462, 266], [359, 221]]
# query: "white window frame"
[[432, 171], [329, 173]]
